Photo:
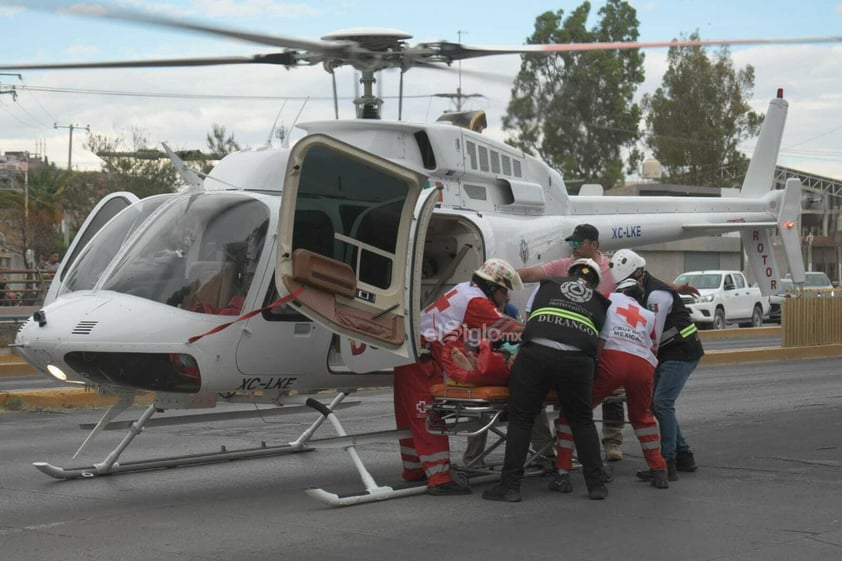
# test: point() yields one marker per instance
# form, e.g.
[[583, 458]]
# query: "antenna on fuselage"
[[275, 124], [285, 142]]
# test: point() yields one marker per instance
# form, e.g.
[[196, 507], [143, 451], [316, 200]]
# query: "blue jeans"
[[670, 377]]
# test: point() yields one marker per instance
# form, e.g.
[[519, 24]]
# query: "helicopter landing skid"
[[110, 465], [223, 455]]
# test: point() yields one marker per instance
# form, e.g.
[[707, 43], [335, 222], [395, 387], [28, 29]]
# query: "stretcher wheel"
[[461, 478]]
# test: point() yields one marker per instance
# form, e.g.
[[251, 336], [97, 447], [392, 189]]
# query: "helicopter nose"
[[31, 347]]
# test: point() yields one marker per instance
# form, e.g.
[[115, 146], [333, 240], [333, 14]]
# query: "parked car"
[[724, 297], [815, 280]]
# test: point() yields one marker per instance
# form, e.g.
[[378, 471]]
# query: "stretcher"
[[461, 410]]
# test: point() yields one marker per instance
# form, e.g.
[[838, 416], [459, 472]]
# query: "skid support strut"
[[373, 492]]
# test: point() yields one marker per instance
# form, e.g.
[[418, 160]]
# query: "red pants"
[[617, 369], [424, 454]]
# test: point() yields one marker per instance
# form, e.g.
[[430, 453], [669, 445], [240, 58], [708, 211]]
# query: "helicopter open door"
[[107, 208], [350, 241]]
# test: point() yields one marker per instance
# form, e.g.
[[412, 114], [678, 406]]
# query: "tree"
[[35, 213], [131, 171], [220, 144], [699, 115], [576, 110]]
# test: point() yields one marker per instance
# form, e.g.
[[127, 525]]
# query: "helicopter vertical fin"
[[758, 181], [761, 171]]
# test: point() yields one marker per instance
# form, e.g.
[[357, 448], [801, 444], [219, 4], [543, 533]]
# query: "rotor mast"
[[374, 50], [368, 105]]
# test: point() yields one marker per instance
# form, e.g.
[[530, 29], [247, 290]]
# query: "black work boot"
[[598, 492], [502, 493], [449, 488], [684, 461], [672, 471], [561, 484], [659, 479], [648, 475]]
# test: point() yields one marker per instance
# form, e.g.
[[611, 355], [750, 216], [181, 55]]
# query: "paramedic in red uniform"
[[467, 313], [679, 351], [626, 359]]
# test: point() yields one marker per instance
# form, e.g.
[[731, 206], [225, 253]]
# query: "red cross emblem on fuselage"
[[632, 315]]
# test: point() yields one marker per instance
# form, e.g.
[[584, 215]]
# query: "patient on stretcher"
[[485, 366]]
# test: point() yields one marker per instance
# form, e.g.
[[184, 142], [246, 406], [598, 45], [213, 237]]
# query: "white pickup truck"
[[724, 297]]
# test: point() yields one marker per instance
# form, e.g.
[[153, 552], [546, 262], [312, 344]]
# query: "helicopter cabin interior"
[[453, 249]]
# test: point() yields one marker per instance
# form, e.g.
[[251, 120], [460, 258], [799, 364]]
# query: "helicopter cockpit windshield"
[[199, 253], [95, 257]]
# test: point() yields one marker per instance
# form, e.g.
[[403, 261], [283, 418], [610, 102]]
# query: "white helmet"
[[500, 273], [586, 267], [630, 287], [624, 263]]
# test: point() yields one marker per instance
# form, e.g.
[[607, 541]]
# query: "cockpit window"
[[96, 255], [199, 254]]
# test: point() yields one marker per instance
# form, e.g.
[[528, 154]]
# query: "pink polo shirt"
[[559, 267]]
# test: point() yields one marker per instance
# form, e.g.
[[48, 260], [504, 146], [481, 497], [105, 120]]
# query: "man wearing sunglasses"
[[584, 241]]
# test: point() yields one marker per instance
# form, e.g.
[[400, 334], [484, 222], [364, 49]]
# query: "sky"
[[179, 106]]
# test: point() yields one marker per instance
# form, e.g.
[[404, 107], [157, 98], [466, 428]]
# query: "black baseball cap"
[[583, 232]]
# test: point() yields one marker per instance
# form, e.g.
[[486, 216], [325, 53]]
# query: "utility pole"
[[26, 240], [458, 97], [70, 146], [12, 90]]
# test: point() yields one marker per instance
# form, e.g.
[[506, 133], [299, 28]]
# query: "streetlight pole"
[[70, 146], [26, 202]]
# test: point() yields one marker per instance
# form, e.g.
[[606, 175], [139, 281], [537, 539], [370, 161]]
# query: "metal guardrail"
[[812, 317], [24, 287], [16, 314]]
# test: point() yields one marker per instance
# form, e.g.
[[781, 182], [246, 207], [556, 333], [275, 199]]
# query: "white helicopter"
[[230, 292]]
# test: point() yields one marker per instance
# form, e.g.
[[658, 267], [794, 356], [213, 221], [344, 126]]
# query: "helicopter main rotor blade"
[[366, 50], [104, 11], [285, 59], [456, 51]]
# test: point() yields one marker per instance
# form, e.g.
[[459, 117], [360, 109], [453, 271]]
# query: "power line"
[[44, 109], [18, 119], [35, 119]]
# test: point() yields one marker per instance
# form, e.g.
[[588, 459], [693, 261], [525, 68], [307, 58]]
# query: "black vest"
[[680, 340], [568, 311]]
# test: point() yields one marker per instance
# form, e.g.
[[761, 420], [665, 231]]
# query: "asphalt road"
[[766, 437]]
